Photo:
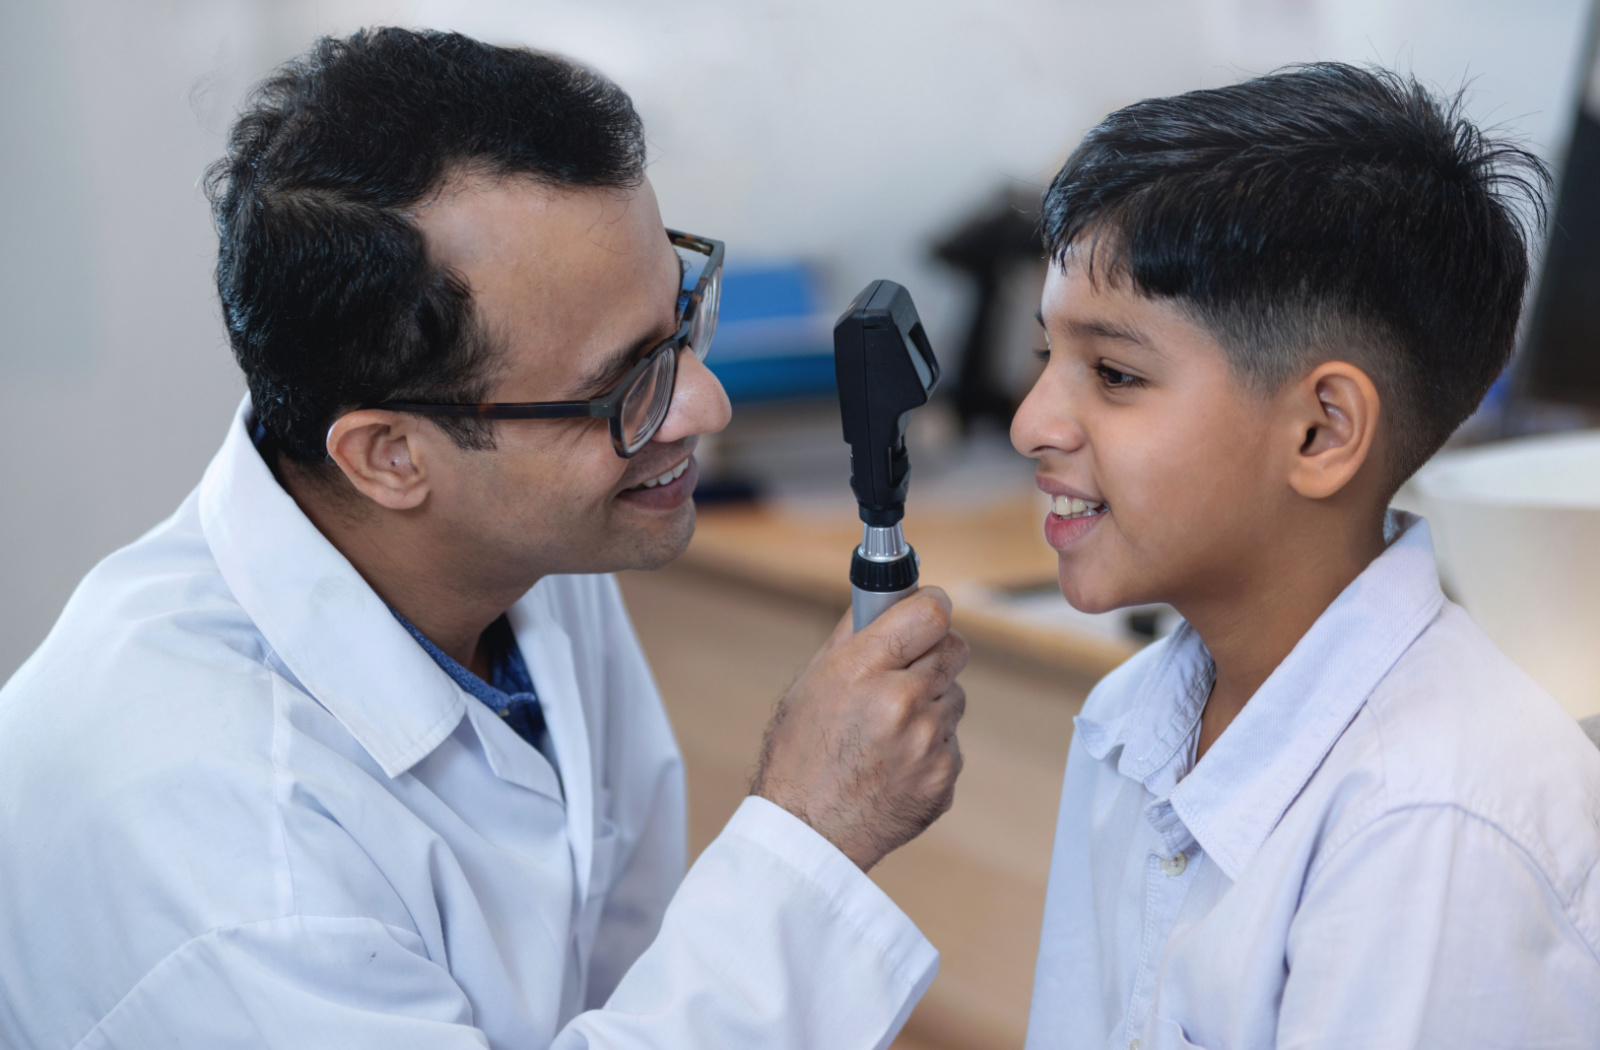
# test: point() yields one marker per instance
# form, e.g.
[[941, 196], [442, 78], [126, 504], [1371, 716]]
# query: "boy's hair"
[[1321, 212], [328, 294]]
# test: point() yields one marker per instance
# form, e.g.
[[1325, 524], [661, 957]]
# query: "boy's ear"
[[380, 454], [1334, 414]]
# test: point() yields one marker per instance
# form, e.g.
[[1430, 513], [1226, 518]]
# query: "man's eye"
[[1042, 353], [1116, 379]]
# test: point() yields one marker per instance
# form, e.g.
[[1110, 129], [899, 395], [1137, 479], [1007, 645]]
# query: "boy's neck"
[[1254, 626]]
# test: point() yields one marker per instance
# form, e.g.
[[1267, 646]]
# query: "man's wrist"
[[862, 850]]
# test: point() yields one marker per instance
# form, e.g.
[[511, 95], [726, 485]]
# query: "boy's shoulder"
[[1456, 724]]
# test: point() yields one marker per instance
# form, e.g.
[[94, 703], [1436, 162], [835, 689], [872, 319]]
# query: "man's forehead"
[[477, 218], [567, 280]]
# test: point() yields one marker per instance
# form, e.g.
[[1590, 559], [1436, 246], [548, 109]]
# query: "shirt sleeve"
[[1432, 928], [775, 940]]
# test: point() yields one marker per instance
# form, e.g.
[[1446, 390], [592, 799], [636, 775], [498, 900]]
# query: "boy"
[[1326, 811]]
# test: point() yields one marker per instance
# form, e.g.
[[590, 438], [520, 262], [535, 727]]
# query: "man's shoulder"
[[150, 652], [1455, 725], [159, 603]]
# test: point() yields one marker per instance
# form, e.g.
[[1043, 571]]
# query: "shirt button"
[[1134, 1045], [1175, 864]]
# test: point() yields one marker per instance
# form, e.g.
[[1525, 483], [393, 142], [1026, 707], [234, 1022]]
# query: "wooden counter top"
[[978, 555]]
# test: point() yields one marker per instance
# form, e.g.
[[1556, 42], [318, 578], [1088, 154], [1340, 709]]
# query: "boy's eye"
[[1115, 378], [1042, 353]]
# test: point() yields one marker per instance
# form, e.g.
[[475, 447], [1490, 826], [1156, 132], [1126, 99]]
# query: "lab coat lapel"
[[547, 649]]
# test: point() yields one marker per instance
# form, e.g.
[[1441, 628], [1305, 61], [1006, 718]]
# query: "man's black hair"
[[1322, 212], [327, 290]]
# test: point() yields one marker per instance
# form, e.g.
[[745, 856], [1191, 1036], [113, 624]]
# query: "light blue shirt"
[[1395, 844]]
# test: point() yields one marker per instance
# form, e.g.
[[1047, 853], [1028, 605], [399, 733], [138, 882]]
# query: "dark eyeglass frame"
[[607, 406]]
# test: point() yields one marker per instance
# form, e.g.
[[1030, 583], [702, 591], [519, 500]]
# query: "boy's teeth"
[[672, 475], [1069, 507]]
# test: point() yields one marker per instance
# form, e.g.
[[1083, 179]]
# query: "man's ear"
[[381, 456], [1334, 415]]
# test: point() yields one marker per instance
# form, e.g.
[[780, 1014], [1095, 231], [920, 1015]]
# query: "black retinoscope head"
[[885, 368]]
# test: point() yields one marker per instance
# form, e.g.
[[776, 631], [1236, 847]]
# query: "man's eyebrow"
[[609, 372]]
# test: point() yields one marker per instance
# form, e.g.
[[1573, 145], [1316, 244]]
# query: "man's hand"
[[863, 748]]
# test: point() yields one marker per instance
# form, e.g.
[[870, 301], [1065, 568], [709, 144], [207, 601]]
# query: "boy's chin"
[[1088, 595]]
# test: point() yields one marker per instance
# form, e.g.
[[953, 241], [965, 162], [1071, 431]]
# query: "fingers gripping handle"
[[866, 606], [882, 571]]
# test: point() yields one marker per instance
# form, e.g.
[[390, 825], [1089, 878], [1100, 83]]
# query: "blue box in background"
[[772, 343]]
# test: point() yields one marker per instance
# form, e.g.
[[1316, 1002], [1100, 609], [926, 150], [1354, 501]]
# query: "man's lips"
[[659, 494]]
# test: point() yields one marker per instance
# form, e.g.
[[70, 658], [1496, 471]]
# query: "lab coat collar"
[[324, 622], [547, 649], [1237, 794]]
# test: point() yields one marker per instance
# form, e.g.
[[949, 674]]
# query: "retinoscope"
[[885, 368]]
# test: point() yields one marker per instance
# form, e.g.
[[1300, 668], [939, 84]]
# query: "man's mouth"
[[1072, 507], [666, 479]]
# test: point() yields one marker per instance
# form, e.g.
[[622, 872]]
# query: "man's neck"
[[410, 566], [1252, 628]]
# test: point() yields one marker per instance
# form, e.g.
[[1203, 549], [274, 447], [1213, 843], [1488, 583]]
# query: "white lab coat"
[[240, 806]]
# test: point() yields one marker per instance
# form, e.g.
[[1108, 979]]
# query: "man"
[[352, 751]]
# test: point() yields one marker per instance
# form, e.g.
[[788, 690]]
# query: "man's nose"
[[699, 404]]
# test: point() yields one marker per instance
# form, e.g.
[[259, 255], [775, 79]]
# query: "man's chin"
[[664, 544]]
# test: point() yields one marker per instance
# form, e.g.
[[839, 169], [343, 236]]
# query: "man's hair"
[[327, 290], [1322, 212]]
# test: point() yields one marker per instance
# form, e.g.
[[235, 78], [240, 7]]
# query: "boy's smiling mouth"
[[1072, 507], [1071, 518]]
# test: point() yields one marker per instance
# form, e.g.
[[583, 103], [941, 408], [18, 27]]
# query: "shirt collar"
[[509, 684], [1153, 730], [330, 629], [1235, 796]]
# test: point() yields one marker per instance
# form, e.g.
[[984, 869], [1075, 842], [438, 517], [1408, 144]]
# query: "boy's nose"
[[699, 404], [1044, 420]]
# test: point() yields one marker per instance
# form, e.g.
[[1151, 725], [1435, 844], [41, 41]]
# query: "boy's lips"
[[1071, 518]]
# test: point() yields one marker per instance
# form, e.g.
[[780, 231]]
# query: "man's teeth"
[[1069, 507], [672, 475]]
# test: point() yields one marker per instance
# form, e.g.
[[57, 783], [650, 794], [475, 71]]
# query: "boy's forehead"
[[1105, 305]]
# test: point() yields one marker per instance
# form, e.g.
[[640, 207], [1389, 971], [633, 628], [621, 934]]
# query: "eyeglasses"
[[638, 405]]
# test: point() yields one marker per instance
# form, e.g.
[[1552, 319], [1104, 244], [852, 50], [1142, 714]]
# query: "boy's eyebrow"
[[1099, 329]]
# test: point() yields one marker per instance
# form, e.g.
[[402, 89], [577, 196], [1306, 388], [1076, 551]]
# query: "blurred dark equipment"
[[1561, 349], [990, 248]]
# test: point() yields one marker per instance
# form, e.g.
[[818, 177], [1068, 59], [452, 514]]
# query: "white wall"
[[850, 132]]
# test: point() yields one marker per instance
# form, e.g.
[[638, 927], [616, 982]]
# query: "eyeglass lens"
[[703, 323], [644, 407]]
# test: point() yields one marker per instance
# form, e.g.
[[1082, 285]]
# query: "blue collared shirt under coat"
[[1395, 844]]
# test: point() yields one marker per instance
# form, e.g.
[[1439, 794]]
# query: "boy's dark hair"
[[1319, 212], [327, 291]]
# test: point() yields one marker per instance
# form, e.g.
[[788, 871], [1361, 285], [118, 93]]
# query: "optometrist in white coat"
[[255, 789]]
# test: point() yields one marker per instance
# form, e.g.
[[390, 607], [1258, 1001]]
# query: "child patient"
[[1327, 811]]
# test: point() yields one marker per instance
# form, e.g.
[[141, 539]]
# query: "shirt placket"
[[1169, 867]]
